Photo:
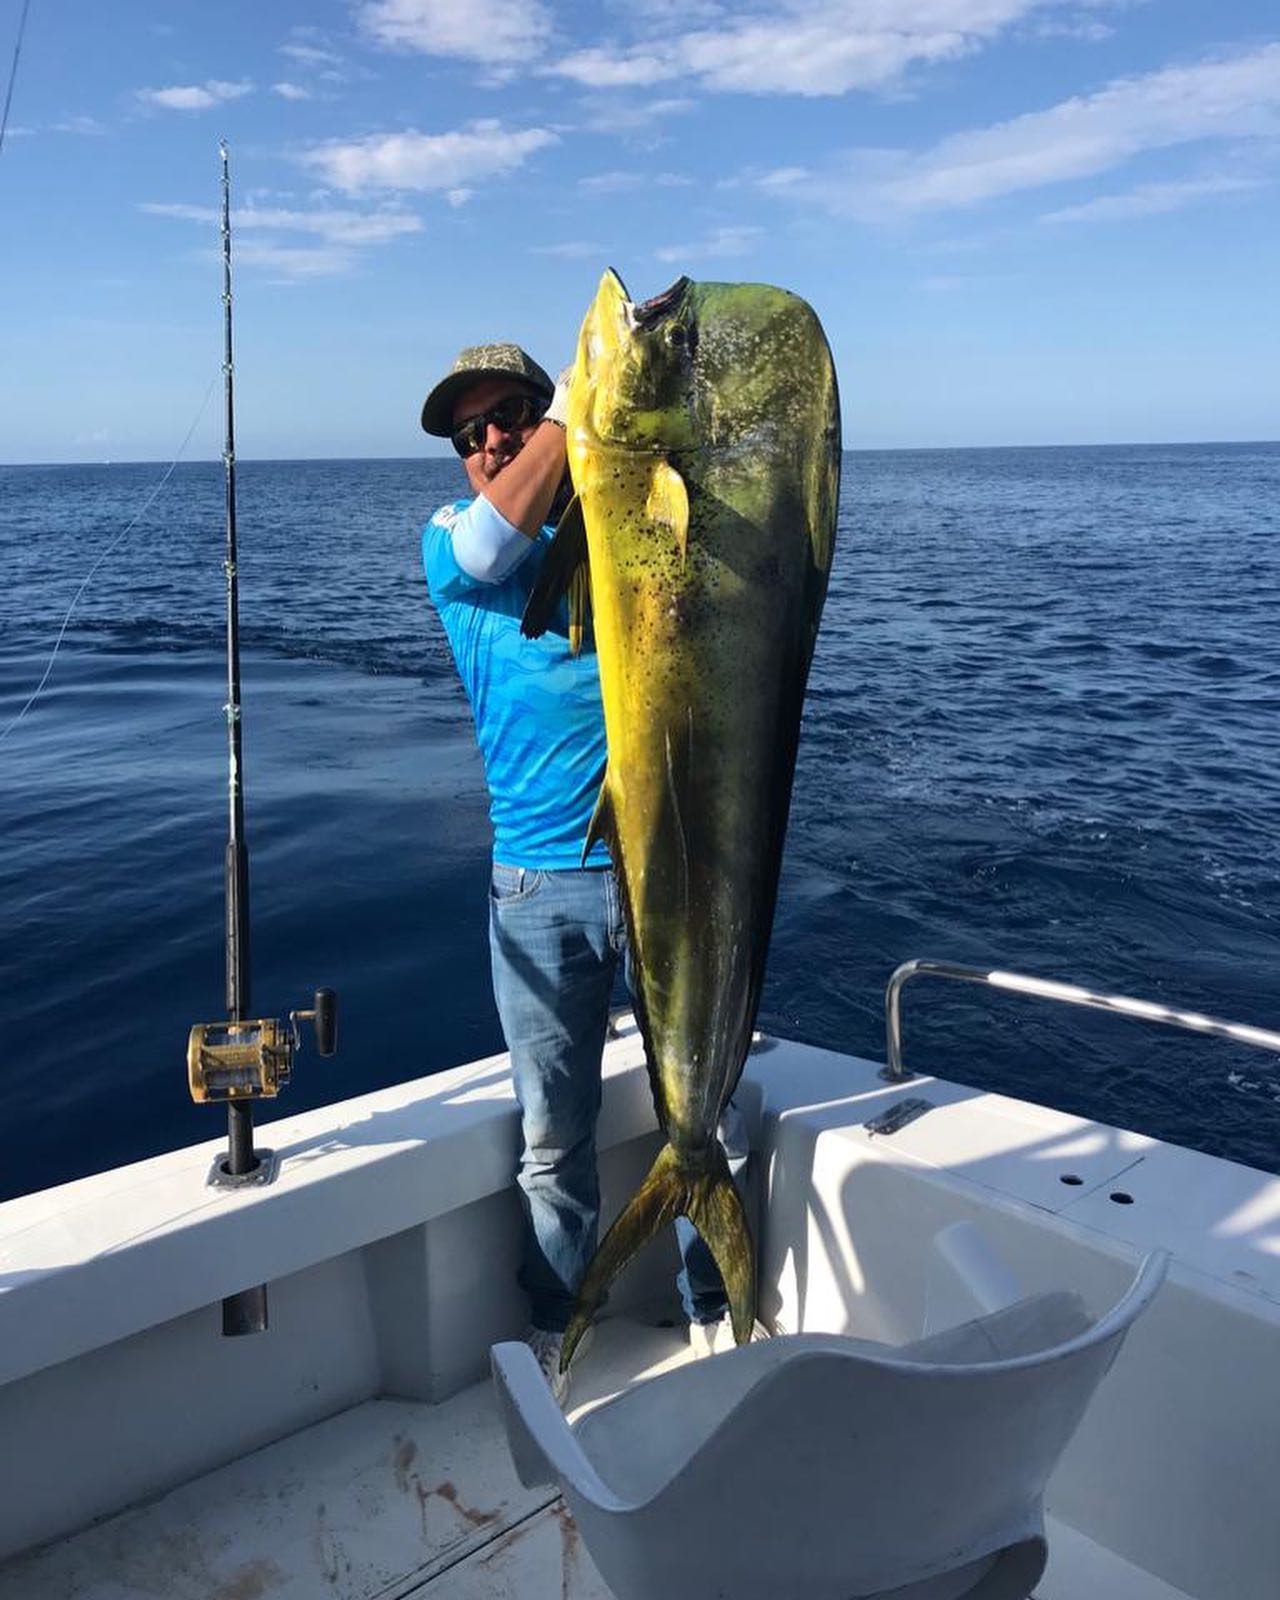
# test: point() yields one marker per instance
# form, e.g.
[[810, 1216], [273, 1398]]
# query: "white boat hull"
[[389, 1243]]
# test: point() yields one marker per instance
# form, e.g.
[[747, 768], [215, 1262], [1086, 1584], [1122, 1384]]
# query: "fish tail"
[[715, 1209], [711, 1202]]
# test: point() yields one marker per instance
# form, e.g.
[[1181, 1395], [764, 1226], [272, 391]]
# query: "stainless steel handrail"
[[1046, 989]]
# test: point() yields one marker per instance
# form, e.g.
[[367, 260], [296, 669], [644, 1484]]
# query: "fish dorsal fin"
[[668, 503], [564, 571], [601, 825]]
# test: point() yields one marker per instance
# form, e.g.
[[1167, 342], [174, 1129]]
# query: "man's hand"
[[558, 410]]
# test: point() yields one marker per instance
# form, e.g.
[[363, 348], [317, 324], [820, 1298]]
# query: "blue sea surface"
[[1041, 734]]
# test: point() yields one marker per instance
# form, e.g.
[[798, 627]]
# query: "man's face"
[[500, 445]]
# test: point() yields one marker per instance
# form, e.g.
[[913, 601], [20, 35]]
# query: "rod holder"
[[245, 1312]]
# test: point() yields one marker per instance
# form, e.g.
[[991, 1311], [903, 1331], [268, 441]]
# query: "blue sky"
[[1021, 221]]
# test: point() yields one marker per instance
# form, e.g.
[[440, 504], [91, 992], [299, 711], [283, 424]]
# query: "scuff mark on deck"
[[406, 1452], [570, 1545], [477, 1518], [327, 1549], [407, 1478], [251, 1581]]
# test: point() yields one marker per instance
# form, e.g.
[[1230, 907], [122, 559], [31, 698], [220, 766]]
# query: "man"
[[556, 932]]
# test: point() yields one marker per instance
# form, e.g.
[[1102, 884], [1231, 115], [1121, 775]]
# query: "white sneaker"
[[547, 1346], [710, 1338]]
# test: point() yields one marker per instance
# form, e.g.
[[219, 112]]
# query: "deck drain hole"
[[1070, 1177], [1121, 1198]]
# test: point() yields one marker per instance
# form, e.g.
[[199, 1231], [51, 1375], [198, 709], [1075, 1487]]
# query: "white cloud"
[[627, 115], [459, 197], [720, 242], [805, 47], [342, 235], [620, 182], [316, 69], [423, 161], [512, 31], [291, 261], [88, 126], [194, 97], [785, 178], [1150, 199], [1075, 28], [961, 283], [310, 55], [636, 68], [1233, 98], [669, 12], [336, 227], [570, 250]]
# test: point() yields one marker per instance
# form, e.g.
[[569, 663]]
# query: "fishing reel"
[[229, 1061]]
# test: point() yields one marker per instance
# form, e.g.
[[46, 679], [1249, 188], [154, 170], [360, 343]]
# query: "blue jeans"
[[558, 945]]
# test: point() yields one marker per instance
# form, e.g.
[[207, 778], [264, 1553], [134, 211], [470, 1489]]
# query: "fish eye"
[[675, 334]]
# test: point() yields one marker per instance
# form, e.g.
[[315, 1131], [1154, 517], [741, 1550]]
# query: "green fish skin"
[[704, 445]]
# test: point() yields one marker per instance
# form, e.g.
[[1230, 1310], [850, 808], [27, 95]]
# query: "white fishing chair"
[[817, 1467]]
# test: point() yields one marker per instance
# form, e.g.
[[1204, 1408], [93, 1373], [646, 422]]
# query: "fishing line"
[[128, 528], [13, 70]]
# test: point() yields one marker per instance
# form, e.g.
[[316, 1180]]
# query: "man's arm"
[[524, 489], [469, 546]]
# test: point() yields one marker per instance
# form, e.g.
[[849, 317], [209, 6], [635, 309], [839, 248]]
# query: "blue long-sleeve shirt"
[[537, 708]]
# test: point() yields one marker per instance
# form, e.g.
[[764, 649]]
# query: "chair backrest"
[[829, 1468]]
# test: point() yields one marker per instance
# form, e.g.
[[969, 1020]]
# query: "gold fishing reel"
[[254, 1060]]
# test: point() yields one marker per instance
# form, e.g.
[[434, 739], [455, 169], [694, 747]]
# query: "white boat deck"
[[396, 1498], [355, 1452]]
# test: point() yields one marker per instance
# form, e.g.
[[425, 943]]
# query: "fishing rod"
[[240, 1113], [241, 1060], [13, 70]]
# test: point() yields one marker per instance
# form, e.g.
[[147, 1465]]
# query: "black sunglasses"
[[516, 411]]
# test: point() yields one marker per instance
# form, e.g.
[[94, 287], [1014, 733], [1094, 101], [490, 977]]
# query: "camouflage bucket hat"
[[475, 362]]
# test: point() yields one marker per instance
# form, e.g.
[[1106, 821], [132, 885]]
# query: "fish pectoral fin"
[[579, 606], [601, 825], [564, 572], [668, 503]]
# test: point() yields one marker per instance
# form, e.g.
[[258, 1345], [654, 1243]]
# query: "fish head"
[[739, 368], [634, 377]]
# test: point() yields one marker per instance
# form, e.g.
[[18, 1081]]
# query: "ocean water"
[[1042, 732]]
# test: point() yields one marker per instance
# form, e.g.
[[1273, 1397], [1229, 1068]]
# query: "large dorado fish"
[[704, 448]]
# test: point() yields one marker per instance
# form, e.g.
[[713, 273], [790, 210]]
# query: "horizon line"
[[847, 450]]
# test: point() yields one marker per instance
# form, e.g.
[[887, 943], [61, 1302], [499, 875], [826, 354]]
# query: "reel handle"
[[325, 1018]]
